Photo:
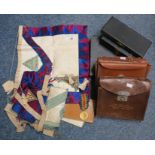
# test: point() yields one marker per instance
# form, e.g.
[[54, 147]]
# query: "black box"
[[122, 39]]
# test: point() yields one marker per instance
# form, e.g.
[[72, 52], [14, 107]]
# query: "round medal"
[[83, 115]]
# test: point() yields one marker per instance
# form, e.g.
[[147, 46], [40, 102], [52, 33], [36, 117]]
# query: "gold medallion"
[[84, 115]]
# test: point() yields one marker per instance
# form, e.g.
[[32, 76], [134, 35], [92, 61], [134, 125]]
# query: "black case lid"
[[126, 37]]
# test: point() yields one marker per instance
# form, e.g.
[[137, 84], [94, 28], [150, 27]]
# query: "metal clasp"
[[123, 96]]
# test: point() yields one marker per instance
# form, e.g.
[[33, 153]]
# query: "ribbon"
[[40, 99], [45, 85], [70, 79], [48, 132], [12, 116], [84, 84], [22, 100], [8, 86], [41, 122]]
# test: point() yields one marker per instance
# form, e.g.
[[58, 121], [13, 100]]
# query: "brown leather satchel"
[[122, 98], [122, 67]]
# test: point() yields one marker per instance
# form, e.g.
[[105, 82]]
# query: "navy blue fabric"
[[101, 128]]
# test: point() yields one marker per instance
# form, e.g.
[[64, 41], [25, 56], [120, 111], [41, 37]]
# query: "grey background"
[[101, 128]]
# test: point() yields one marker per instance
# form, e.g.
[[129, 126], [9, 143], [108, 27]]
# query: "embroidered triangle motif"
[[32, 63], [30, 96]]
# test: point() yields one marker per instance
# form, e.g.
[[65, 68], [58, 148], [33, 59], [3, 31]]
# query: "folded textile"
[[55, 107], [42, 39], [53, 69]]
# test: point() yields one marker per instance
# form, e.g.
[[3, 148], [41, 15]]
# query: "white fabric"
[[53, 114], [61, 49]]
